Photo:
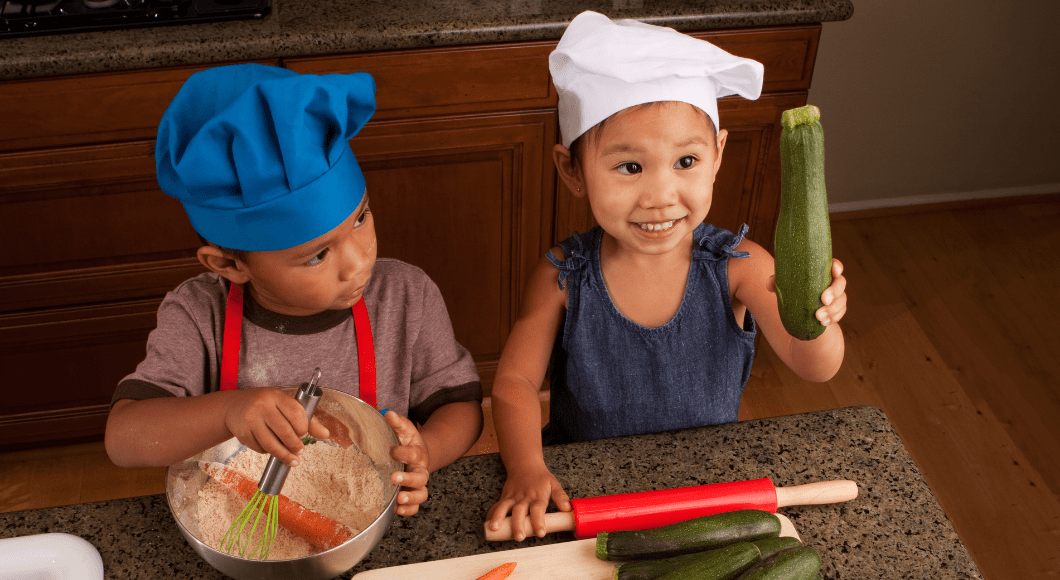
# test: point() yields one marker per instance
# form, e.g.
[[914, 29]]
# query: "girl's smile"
[[657, 227]]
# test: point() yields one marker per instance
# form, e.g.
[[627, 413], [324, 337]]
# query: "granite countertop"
[[894, 529], [318, 27]]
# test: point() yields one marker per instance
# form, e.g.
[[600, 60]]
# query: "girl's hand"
[[270, 421], [413, 453], [524, 494], [834, 297]]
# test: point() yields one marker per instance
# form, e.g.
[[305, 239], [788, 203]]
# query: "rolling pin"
[[651, 509]]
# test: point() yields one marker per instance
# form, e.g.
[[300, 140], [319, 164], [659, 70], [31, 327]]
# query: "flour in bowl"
[[342, 484]]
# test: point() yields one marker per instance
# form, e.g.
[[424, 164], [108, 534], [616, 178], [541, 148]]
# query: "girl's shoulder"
[[754, 269], [573, 255], [714, 243]]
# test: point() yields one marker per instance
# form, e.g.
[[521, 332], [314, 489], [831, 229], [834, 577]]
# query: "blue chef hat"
[[259, 155]]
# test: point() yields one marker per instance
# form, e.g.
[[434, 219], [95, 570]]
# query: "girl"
[[647, 321]]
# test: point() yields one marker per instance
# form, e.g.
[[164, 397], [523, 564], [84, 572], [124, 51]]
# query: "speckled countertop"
[[895, 529], [317, 27]]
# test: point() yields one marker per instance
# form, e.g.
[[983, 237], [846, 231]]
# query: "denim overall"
[[612, 377]]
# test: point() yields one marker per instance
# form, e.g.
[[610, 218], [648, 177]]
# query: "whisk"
[[264, 502]]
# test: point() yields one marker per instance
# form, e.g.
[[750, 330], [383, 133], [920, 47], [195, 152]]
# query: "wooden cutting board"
[[568, 560]]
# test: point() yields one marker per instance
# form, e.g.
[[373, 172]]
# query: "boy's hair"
[[577, 147], [240, 255]]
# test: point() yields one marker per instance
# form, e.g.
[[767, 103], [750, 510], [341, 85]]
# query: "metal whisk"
[[265, 501]]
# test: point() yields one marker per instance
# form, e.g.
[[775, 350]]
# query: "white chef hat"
[[601, 67]]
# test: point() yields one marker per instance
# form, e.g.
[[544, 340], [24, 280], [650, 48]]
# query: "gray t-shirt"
[[419, 364]]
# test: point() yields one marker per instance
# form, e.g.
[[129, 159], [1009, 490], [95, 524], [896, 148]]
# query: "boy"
[[259, 158]]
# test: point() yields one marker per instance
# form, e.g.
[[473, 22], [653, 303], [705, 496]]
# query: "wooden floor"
[[953, 330]]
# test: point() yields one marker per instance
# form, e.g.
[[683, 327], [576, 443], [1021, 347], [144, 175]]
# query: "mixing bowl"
[[367, 429]]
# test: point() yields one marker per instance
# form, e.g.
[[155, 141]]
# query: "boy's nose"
[[356, 258]]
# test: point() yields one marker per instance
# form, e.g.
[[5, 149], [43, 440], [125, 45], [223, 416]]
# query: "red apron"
[[232, 333]]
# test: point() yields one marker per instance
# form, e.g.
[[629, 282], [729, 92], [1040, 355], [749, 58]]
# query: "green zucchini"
[[717, 564], [694, 535], [652, 569], [721, 564], [803, 240], [771, 546], [798, 563]]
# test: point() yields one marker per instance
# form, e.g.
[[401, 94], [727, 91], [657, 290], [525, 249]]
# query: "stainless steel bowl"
[[366, 428]]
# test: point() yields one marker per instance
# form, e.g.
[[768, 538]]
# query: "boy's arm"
[[164, 430], [752, 283], [450, 431], [161, 431]]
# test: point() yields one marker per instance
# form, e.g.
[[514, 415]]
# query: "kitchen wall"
[[936, 100]]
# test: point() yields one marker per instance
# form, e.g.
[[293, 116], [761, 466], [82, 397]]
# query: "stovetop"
[[37, 17]]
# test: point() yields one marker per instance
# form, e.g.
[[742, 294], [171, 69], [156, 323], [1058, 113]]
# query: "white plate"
[[49, 557]]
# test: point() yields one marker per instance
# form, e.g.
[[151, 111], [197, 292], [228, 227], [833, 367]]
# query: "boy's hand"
[[528, 494], [413, 453], [270, 421], [834, 297]]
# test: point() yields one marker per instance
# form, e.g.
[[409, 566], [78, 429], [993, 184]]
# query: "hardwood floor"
[[953, 329]]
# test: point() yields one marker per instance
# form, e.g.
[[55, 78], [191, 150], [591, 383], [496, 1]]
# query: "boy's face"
[[327, 273], [649, 174]]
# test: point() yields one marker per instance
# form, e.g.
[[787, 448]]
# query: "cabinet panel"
[[788, 53], [89, 207], [83, 109], [461, 199], [80, 353], [418, 83]]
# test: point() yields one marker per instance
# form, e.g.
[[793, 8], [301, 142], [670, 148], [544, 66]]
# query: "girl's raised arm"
[[751, 284]]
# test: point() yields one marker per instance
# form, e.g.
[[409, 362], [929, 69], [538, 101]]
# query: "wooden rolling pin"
[[651, 509]]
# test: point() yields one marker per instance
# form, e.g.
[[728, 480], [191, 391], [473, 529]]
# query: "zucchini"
[[722, 564], [803, 240], [694, 535], [770, 546], [718, 564], [652, 569], [798, 563]]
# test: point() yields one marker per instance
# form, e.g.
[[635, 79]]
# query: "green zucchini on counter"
[[802, 244], [798, 563], [652, 569], [694, 535]]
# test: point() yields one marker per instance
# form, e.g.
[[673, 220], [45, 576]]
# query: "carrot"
[[499, 573], [320, 530], [337, 432]]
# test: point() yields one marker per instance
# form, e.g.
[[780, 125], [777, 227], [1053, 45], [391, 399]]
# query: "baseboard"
[[934, 202]]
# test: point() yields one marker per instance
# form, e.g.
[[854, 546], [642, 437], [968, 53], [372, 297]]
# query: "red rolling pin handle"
[[650, 509]]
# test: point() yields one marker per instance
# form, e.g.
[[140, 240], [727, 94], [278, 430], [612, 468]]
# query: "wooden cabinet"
[[459, 169]]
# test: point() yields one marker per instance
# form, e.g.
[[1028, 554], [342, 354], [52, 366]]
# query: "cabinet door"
[[461, 199], [90, 245]]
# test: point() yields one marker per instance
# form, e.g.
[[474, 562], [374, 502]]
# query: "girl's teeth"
[[657, 227]]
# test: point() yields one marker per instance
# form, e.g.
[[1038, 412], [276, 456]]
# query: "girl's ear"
[[568, 173], [723, 136], [215, 261]]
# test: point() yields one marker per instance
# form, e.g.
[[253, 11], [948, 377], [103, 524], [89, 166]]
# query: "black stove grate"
[[38, 17]]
